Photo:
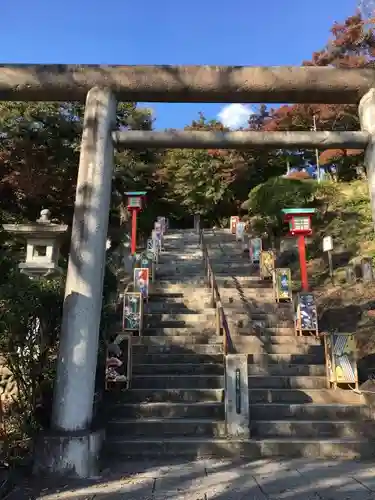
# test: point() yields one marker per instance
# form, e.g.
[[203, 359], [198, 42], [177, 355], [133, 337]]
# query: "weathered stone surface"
[[186, 83]]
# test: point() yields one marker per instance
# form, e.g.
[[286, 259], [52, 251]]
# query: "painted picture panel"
[[341, 358], [132, 312], [267, 264], [306, 313], [150, 245], [233, 223], [156, 236], [141, 281], [162, 222], [118, 362], [147, 262], [255, 247], [283, 284], [240, 229]]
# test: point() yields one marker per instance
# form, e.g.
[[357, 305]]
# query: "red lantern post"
[[299, 220], [135, 199]]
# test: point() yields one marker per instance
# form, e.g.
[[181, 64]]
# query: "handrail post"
[[212, 285], [218, 319]]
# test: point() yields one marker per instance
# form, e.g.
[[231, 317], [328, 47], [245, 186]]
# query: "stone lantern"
[[42, 245]]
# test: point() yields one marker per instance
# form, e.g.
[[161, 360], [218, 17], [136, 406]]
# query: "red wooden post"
[[299, 220], [134, 206], [303, 263], [134, 231]]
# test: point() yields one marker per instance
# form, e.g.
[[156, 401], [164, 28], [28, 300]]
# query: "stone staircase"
[[175, 406], [292, 412], [176, 402]]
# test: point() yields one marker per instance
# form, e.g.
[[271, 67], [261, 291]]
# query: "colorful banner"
[[283, 284], [255, 247], [141, 281], [306, 313], [240, 229], [118, 362], [132, 312], [233, 223], [162, 221], [341, 358], [267, 264]]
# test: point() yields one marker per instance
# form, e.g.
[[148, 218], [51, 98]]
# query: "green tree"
[[39, 156]]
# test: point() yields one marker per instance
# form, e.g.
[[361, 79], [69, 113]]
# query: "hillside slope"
[[341, 306]]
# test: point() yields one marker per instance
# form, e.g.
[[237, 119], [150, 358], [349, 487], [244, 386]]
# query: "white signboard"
[[327, 244]]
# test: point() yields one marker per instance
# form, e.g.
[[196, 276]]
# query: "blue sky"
[[222, 32]]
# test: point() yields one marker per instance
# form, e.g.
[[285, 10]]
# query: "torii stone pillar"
[[74, 446], [367, 119]]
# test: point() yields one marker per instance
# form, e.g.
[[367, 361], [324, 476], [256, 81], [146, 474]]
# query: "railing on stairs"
[[222, 327]]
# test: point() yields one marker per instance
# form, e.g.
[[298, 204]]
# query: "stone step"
[[259, 310], [244, 320], [198, 410], [277, 317], [254, 347], [180, 282], [167, 427], [179, 340], [242, 282], [260, 294], [304, 359], [197, 306], [175, 349], [193, 317], [187, 358], [298, 396], [289, 340], [161, 296], [183, 331], [260, 330], [172, 266], [167, 396], [194, 448], [280, 382], [243, 268], [308, 411], [177, 381], [287, 370], [313, 429], [179, 320], [179, 369], [187, 274]]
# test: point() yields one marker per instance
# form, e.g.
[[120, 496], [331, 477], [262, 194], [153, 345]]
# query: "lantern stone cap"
[[43, 227]]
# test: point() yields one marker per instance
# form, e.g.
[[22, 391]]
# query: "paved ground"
[[225, 480]]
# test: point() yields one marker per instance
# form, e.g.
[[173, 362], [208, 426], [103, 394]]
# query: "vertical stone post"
[[237, 414], [75, 446], [367, 119]]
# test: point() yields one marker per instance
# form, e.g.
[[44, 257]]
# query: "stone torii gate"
[[72, 445]]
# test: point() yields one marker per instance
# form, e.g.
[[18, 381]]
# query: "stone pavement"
[[299, 479]]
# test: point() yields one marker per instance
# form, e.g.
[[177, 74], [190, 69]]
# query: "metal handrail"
[[222, 327]]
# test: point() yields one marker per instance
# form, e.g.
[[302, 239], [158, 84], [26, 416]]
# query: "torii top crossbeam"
[[291, 84]]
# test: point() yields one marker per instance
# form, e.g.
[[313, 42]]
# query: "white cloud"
[[235, 115]]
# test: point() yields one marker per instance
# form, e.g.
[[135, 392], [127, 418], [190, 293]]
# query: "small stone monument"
[[42, 245]]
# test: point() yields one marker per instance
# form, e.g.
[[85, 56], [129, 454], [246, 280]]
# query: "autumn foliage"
[[352, 46]]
